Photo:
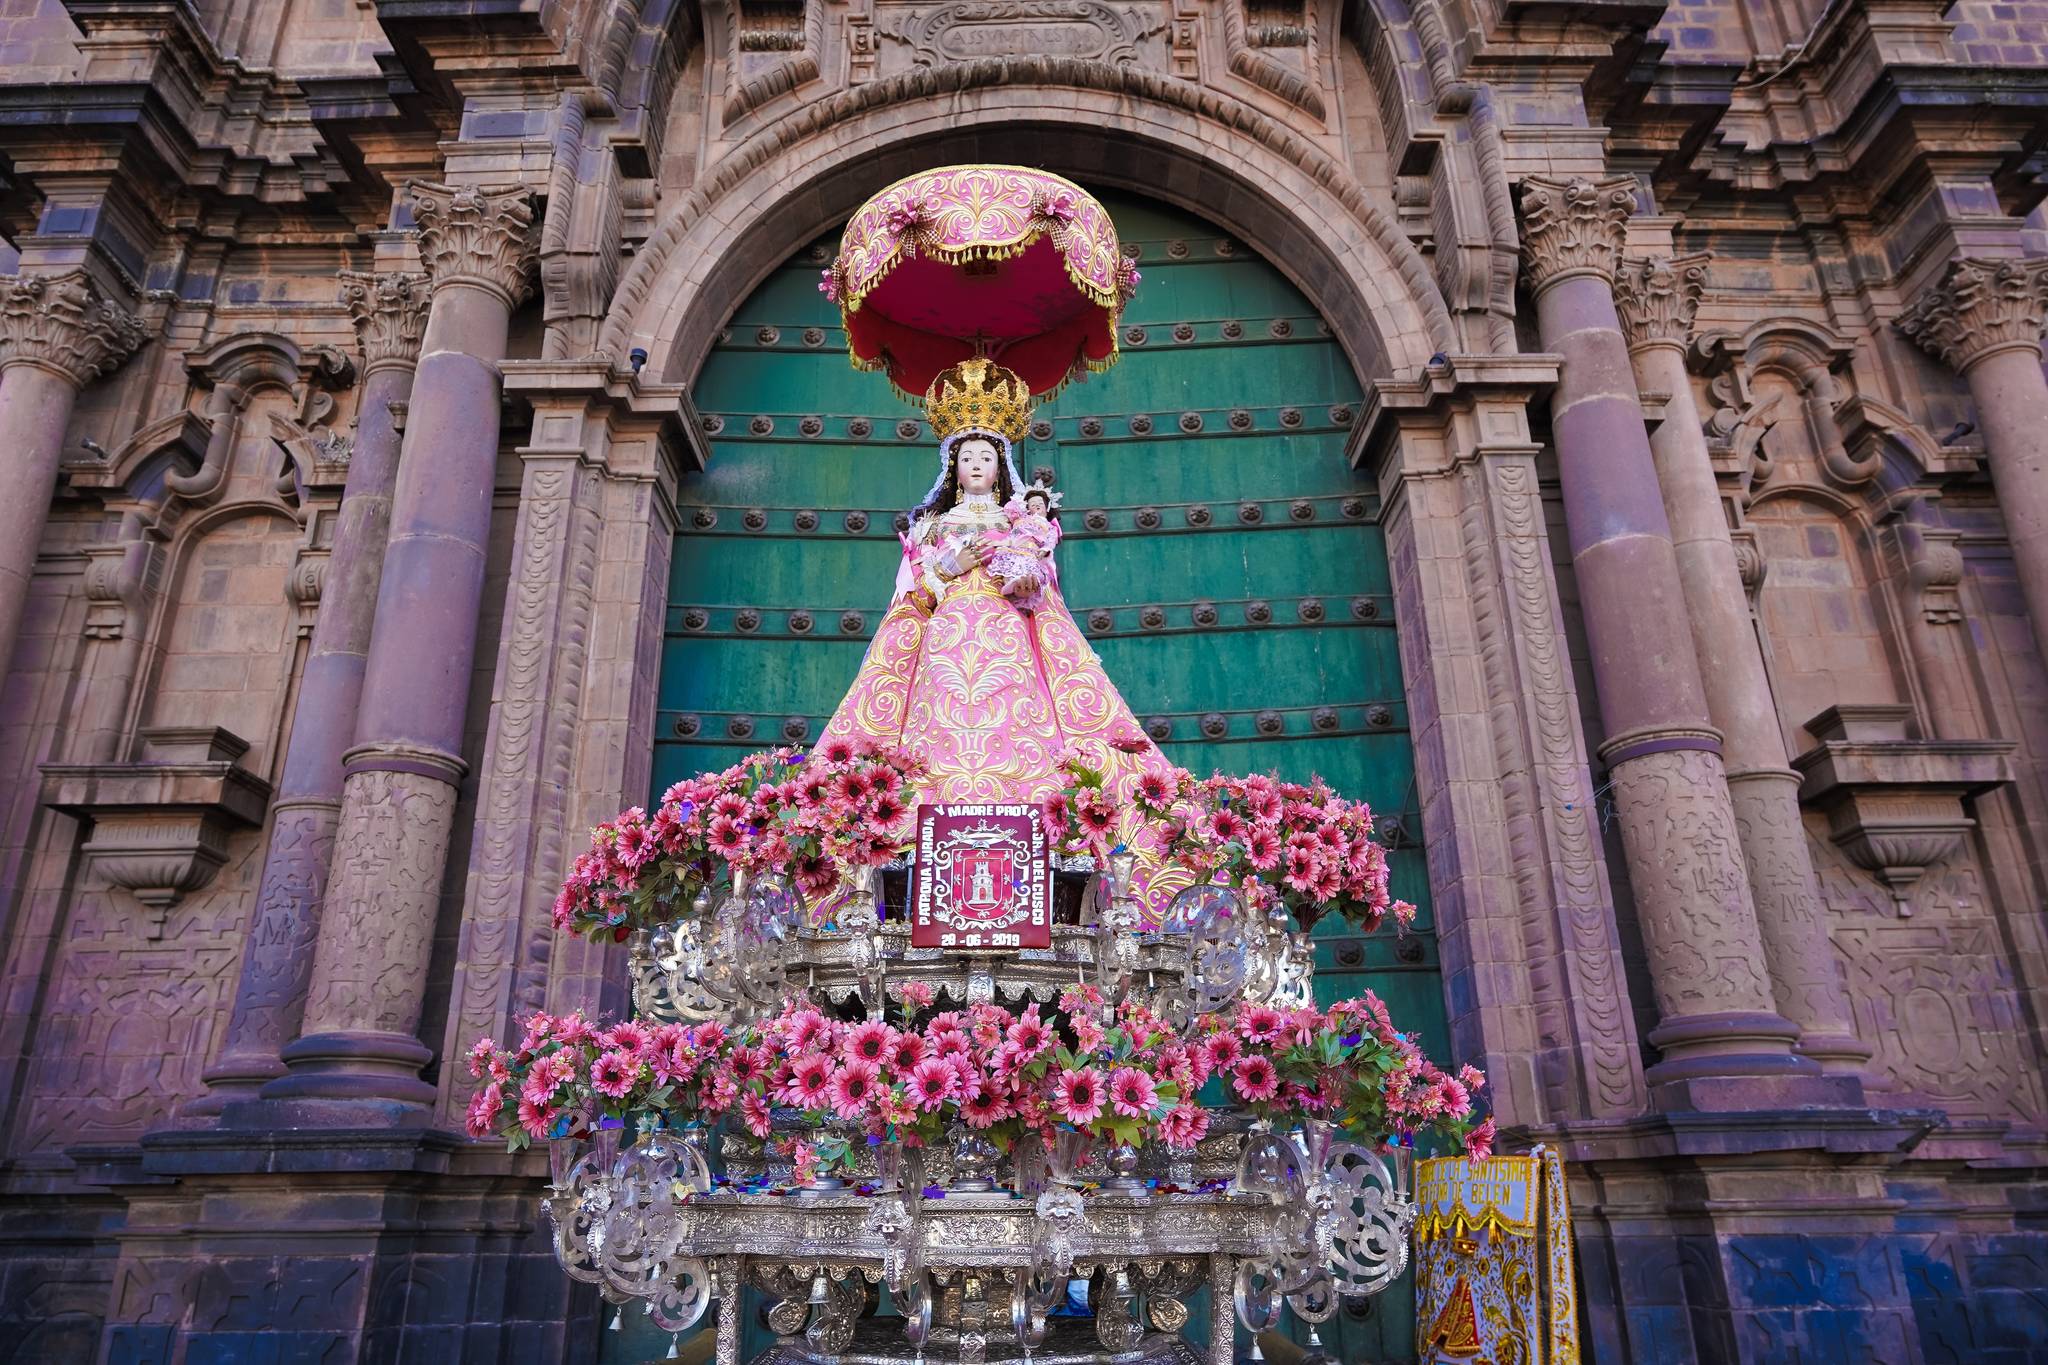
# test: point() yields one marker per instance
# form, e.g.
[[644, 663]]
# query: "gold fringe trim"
[[1110, 301]]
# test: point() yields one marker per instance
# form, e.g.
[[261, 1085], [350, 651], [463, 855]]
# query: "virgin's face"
[[974, 463]]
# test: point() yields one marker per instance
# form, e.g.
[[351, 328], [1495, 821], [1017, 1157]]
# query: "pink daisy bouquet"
[[571, 1074], [1347, 1064], [805, 816], [1309, 847]]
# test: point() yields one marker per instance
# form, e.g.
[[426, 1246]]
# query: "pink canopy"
[[1003, 261]]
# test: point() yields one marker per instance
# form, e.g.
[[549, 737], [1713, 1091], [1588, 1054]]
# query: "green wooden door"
[[1227, 565]]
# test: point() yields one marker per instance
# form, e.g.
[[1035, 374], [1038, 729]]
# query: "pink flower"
[[613, 1073], [1261, 848], [869, 1042], [480, 1057], [1029, 1035], [725, 837], [906, 1050], [1228, 827], [1131, 1092], [1260, 1024], [1479, 1142], [1254, 1079], [629, 1036], [484, 1108], [1184, 1125], [950, 1043], [1077, 1095], [1472, 1078], [538, 1119], [810, 1082], [853, 1089], [983, 1106], [932, 1082], [1096, 815], [573, 1028], [915, 995], [747, 1064], [1223, 1050], [1154, 789], [807, 1029], [754, 1111]]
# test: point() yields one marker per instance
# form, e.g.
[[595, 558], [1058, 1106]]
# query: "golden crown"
[[978, 395]]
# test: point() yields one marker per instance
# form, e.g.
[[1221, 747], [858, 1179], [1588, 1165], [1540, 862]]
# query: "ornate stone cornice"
[[485, 238], [64, 324], [390, 313], [1981, 306], [1657, 296], [1574, 227]]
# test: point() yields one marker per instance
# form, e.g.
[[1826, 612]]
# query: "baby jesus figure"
[[1021, 556]]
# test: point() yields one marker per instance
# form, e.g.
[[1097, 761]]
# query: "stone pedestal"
[[277, 960], [1985, 320], [57, 333], [1724, 1043], [359, 1048], [1656, 300]]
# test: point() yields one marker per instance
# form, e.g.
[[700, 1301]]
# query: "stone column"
[[1718, 1017], [57, 334], [359, 1039], [1656, 300], [1985, 321], [389, 311]]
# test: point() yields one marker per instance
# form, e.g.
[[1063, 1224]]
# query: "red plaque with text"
[[983, 878]]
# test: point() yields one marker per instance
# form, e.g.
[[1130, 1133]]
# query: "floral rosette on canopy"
[[1003, 261]]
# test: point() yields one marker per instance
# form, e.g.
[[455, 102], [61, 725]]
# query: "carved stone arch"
[[1100, 122], [638, 60], [1810, 357], [1906, 452], [1460, 183], [173, 444], [234, 371]]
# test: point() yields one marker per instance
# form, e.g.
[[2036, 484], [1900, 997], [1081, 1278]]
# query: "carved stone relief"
[[1932, 991], [970, 30]]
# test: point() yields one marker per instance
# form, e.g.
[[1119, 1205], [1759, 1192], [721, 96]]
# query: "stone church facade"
[[346, 364]]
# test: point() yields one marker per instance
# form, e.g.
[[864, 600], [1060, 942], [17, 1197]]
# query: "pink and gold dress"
[[992, 697]]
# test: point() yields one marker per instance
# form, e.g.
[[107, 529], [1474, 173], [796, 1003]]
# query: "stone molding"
[[160, 827], [483, 238], [1981, 307], [1574, 227], [64, 324], [1657, 296], [1895, 804], [389, 309]]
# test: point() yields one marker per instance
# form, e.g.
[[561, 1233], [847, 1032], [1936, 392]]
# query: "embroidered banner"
[[982, 879], [1493, 1265]]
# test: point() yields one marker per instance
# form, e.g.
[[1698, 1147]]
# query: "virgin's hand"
[[1022, 587], [968, 558]]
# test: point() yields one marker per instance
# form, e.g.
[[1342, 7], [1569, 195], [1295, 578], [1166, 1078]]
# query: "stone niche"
[[160, 826], [1894, 804]]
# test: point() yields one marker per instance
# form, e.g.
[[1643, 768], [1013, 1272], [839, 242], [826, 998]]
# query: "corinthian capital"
[[1657, 296], [479, 237], [390, 313], [1982, 306], [64, 324], [1573, 227]]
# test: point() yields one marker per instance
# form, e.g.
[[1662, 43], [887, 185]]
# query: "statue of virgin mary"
[[986, 676]]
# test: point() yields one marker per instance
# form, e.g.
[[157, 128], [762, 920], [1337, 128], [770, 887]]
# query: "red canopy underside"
[[927, 314]]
